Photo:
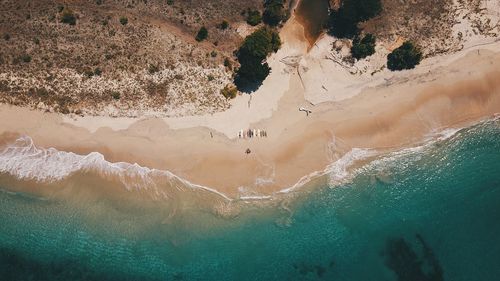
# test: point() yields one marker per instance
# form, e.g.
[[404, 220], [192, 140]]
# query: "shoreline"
[[400, 111]]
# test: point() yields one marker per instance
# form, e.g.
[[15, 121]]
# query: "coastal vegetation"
[[202, 34], [123, 20], [343, 22], [274, 12], [224, 25], [251, 56], [229, 92], [407, 56], [67, 16], [253, 17], [363, 47]]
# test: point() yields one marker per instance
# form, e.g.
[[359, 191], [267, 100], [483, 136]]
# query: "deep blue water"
[[432, 214]]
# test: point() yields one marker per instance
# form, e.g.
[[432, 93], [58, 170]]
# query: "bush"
[[202, 34], [224, 25], [251, 56], [227, 63], [343, 23], [26, 58], [124, 20], [274, 12], [362, 48], [254, 17], [68, 17], [229, 92], [153, 68], [97, 71], [6, 36], [115, 95], [407, 56], [170, 2]]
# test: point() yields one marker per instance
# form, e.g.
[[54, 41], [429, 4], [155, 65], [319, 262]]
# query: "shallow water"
[[429, 213], [313, 15]]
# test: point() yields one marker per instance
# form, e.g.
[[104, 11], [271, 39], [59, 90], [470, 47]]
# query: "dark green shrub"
[[274, 12], [254, 17], [202, 34], [251, 56], [227, 63], [407, 56], [115, 95], [25, 58], [124, 20], [229, 92], [153, 68], [362, 48], [6, 36], [343, 23], [68, 17], [170, 2], [97, 71], [224, 25]]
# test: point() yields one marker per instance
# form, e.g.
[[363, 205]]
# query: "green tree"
[[274, 12], [229, 92], [68, 17], [251, 56], [407, 56], [343, 22], [124, 20], [202, 34], [224, 25], [362, 48], [254, 17]]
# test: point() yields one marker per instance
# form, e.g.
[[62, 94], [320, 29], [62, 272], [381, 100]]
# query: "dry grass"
[[150, 64], [430, 24]]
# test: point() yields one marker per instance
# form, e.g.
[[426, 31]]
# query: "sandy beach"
[[388, 110]]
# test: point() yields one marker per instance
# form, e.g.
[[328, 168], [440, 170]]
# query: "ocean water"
[[426, 213]]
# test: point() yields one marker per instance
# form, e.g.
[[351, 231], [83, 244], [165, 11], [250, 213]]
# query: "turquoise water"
[[427, 214]]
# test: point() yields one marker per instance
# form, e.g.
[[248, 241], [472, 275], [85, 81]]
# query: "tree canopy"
[[364, 47], [68, 17], [407, 56], [202, 34], [254, 17], [274, 12], [251, 56], [343, 23]]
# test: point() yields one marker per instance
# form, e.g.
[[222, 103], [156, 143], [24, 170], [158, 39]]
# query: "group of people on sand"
[[252, 133]]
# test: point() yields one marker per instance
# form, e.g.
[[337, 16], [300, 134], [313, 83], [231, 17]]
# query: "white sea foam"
[[24, 160], [337, 171]]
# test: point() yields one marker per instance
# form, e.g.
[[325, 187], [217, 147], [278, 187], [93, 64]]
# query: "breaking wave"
[[23, 160]]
